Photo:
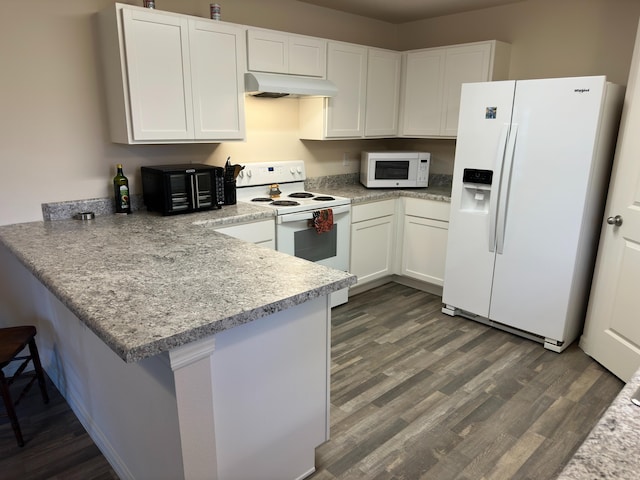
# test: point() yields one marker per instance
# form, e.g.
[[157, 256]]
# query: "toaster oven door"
[[203, 190], [180, 192]]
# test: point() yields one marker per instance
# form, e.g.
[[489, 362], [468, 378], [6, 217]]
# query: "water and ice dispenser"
[[476, 190]]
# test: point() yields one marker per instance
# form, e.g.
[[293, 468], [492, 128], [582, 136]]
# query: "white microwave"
[[394, 169]]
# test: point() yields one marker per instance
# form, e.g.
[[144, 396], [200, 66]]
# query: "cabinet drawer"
[[427, 208], [371, 210]]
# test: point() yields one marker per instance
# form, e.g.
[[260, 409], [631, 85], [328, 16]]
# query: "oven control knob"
[[241, 174], [299, 169], [249, 173], [292, 170]]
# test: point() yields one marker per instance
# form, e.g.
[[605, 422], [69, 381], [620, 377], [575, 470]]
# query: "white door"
[[307, 56], [465, 64], [295, 237], [612, 329], [157, 48], [383, 91], [268, 51], [425, 241], [485, 116], [551, 177], [217, 63], [422, 99], [372, 247], [347, 68]]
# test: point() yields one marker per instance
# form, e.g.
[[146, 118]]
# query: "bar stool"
[[12, 341]]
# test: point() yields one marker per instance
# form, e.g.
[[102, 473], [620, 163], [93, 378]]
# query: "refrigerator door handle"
[[493, 207], [505, 185]]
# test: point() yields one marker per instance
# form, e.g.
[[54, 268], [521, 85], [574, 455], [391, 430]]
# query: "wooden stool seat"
[[12, 341]]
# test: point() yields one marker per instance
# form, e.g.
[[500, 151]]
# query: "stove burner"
[[323, 199], [261, 199], [284, 203], [300, 195]]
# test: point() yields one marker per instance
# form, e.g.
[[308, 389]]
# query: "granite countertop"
[[439, 190], [612, 449], [146, 284]]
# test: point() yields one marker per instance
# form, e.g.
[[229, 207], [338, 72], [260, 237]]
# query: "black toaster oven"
[[173, 189]]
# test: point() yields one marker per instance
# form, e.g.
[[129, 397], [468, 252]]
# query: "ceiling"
[[401, 11]]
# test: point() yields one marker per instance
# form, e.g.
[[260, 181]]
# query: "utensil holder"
[[230, 192]]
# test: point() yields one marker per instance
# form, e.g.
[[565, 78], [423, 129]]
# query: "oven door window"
[[392, 170], [314, 246]]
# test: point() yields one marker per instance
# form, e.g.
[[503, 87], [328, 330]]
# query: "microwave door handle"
[[308, 215]]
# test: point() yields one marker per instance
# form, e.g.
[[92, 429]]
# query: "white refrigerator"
[[532, 165]]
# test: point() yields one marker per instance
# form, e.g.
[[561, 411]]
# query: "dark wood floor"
[[415, 394], [56, 444]]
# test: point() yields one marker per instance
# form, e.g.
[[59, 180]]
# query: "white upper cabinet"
[[368, 82], [217, 66], [383, 93], [422, 97], [347, 68], [432, 79], [171, 78], [157, 64], [278, 52]]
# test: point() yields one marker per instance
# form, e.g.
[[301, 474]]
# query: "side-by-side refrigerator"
[[532, 166]]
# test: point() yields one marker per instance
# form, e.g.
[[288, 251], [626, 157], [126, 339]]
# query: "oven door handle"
[[308, 215]]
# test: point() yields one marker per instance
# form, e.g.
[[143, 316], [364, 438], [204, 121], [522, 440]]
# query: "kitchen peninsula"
[[185, 353]]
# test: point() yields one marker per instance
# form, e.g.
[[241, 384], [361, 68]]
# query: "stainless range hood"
[[274, 86]]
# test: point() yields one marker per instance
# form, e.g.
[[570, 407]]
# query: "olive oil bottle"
[[121, 191]]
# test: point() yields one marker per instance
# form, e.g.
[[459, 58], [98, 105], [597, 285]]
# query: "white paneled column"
[[192, 369]]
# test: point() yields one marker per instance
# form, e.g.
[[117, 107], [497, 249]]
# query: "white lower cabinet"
[[426, 224], [262, 232], [373, 234]]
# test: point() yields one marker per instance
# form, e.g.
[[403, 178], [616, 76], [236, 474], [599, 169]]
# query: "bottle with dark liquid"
[[121, 191]]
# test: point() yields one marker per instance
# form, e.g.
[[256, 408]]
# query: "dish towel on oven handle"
[[322, 220]]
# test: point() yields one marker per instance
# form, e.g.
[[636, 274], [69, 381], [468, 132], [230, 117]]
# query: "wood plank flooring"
[[415, 394], [56, 444]]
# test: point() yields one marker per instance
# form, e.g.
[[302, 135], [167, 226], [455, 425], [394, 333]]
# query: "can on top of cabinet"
[[149, 3], [215, 10]]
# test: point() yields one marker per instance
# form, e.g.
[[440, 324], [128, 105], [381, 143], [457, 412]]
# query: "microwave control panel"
[[423, 171]]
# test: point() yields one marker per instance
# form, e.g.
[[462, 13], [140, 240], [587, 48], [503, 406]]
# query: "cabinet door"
[[424, 249], [261, 233], [464, 64], [347, 68], [383, 91], [372, 245], [217, 65], [268, 51], [157, 58], [307, 56], [422, 92]]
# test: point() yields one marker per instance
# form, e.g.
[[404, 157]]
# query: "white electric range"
[[296, 234]]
